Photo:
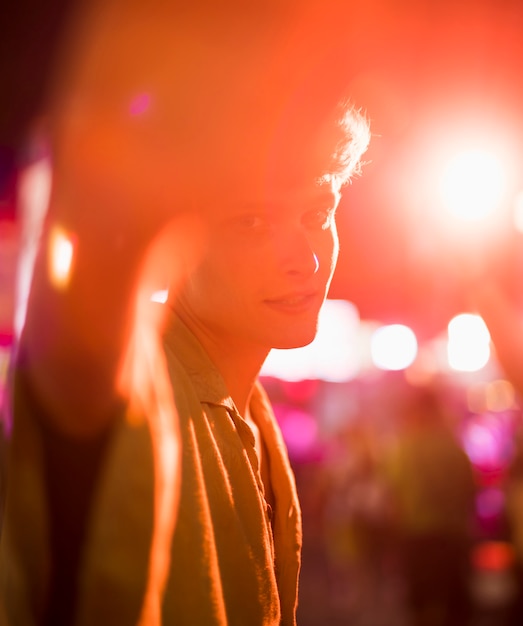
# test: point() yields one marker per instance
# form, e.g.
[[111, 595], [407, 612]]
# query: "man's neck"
[[239, 362], [239, 369]]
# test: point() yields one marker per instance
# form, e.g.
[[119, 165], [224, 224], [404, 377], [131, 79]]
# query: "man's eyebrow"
[[318, 195]]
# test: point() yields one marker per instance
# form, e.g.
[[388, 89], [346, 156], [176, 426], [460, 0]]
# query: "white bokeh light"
[[468, 347], [393, 347]]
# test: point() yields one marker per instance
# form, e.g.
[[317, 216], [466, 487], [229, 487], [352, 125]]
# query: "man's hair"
[[354, 141], [320, 136]]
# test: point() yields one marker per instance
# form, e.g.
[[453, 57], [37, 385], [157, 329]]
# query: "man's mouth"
[[293, 302]]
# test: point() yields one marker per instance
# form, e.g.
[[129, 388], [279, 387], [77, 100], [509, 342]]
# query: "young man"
[[248, 165], [260, 283]]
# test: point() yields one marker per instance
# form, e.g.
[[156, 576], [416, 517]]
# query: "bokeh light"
[[468, 347], [493, 397], [483, 443], [493, 555], [393, 347], [299, 429]]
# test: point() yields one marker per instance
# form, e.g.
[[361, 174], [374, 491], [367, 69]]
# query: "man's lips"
[[294, 301]]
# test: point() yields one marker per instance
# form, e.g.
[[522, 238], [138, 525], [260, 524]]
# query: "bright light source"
[[333, 355], [468, 348], [61, 250], [473, 184], [393, 347]]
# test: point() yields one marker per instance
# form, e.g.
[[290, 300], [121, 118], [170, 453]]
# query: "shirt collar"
[[180, 342]]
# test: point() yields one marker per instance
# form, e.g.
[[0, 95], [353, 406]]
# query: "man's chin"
[[296, 341]]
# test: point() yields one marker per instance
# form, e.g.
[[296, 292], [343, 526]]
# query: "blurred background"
[[400, 355]]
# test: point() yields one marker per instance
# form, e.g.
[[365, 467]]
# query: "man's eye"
[[251, 222], [319, 218]]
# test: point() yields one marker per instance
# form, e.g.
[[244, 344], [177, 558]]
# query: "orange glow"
[[61, 255]]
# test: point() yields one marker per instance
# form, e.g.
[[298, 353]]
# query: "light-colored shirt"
[[235, 551]]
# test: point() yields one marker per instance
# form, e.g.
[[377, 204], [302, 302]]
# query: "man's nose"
[[297, 255]]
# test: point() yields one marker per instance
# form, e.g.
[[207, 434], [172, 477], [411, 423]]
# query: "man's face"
[[266, 269]]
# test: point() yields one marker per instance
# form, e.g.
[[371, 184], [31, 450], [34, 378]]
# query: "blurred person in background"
[[358, 518], [203, 150], [434, 489]]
